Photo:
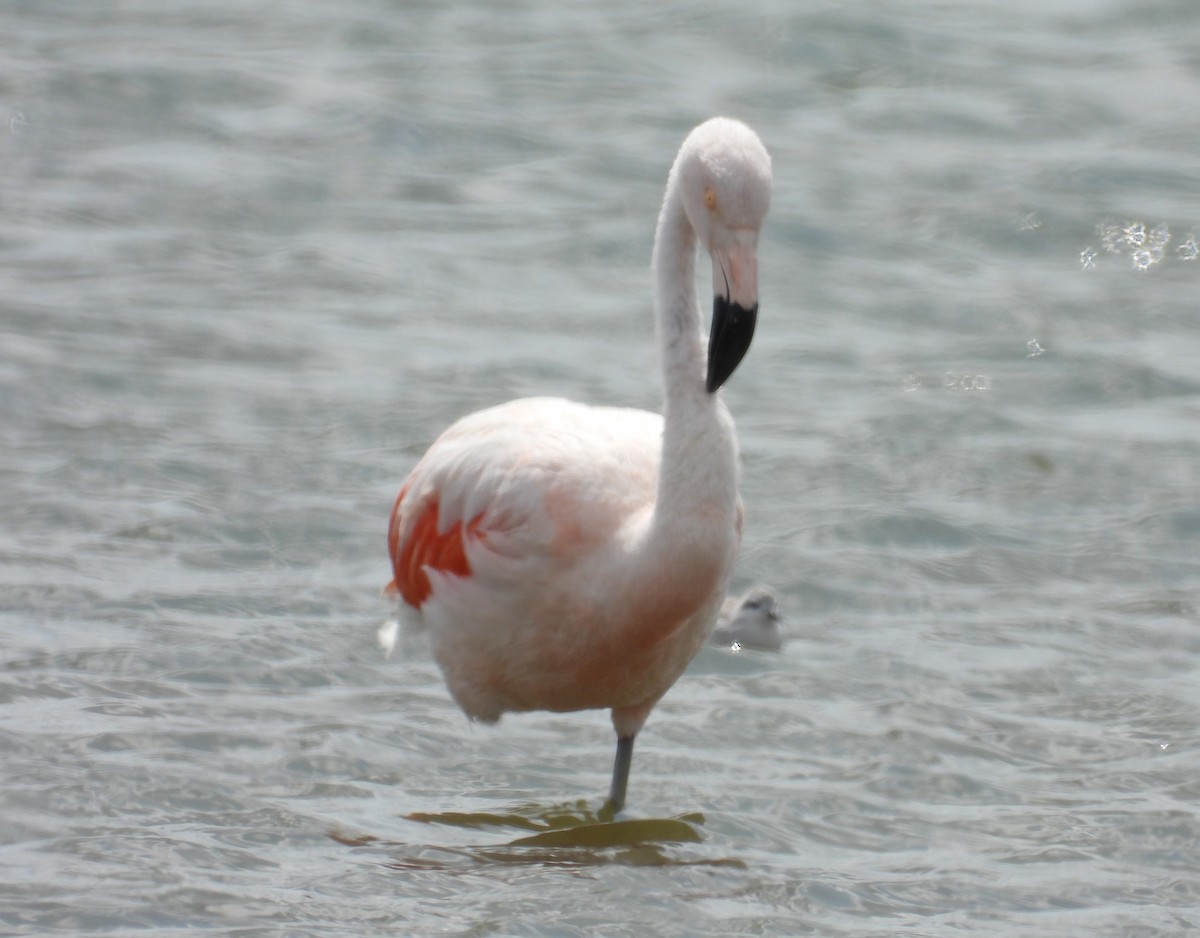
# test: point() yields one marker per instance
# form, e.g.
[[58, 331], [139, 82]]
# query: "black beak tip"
[[732, 330]]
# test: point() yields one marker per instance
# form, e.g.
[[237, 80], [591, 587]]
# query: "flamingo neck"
[[681, 345], [694, 529], [699, 443], [678, 561]]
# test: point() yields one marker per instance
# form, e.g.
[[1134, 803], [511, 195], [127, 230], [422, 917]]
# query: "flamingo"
[[565, 557]]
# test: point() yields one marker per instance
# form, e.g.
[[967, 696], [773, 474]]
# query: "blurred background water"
[[253, 257]]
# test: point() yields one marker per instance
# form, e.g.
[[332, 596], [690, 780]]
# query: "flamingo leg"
[[620, 779]]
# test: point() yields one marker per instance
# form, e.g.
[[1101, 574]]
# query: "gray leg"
[[620, 779]]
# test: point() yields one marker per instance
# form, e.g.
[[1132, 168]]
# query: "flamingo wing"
[[532, 480]]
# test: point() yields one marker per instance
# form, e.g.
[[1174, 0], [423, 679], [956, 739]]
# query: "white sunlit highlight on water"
[[1145, 247]]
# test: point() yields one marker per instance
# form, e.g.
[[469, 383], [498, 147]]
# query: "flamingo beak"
[[735, 306]]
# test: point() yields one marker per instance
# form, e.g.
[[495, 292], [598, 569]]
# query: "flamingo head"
[[725, 176]]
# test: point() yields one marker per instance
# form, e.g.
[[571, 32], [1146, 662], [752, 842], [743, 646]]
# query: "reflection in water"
[[562, 835]]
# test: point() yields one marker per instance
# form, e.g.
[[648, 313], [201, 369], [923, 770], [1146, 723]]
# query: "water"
[[256, 256]]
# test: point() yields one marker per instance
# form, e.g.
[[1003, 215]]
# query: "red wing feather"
[[424, 548]]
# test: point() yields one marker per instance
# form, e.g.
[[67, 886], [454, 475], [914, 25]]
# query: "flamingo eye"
[[710, 198]]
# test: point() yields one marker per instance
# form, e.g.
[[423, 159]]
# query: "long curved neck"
[[692, 530], [681, 347], [699, 444], [682, 555]]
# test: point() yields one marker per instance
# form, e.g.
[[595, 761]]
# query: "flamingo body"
[[565, 557], [525, 513]]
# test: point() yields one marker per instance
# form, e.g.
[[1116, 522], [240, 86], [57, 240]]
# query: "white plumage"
[[564, 557]]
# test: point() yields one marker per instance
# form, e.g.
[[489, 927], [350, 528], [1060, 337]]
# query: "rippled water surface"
[[254, 258]]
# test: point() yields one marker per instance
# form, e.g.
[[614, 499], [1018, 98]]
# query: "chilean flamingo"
[[566, 557]]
